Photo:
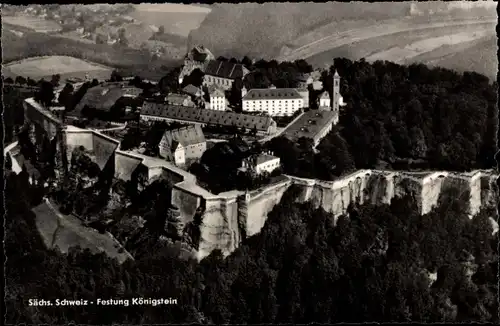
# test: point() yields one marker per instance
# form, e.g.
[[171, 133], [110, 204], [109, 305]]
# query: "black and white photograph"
[[250, 163]]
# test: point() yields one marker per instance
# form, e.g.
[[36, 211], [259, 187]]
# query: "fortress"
[[223, 221]]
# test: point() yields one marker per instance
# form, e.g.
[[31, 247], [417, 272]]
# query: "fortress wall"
[[489, 189], [36, 114], [186, 202], [475, 194], [432, 187], [261, 203], [103, 148], [219, 229], [79, 138], [125, 165]]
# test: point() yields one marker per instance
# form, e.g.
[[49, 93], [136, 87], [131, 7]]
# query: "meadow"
[[34, 23], [432, 46], [18, 47], [179, 20], [67, 67]]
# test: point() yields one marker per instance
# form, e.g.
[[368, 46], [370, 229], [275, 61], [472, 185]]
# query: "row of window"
[[216, 80], [273, 101], [269, 165]]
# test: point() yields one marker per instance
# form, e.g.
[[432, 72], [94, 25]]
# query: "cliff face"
[[227, 219]]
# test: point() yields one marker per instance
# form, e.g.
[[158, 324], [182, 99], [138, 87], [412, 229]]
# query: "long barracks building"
[[152, 111]]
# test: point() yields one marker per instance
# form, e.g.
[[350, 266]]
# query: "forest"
[[402, 118], [384, 263]]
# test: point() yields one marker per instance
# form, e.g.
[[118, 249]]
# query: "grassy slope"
[[482, 58], [261, 30], [178, 23], [460, 57]]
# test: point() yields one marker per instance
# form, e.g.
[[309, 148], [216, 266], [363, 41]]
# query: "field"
[[44, 67], [32, 44], [37, 24], [481, 57], [428, 46], [177, 19]]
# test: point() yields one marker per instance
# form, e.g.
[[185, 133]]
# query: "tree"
[[45, 95], [161, 30], [66, 96], [89, 112], [20, 80], [55, 80], [235, 94], [9, 80], [101, 39], [115, 76], [247, 62], [195, 78]]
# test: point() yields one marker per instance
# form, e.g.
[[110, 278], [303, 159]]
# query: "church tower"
[[336, 92]]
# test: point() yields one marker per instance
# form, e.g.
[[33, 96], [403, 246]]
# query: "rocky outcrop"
[[229, 218]]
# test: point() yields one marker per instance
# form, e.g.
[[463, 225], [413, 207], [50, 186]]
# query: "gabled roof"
[[325, 95], [272, 94], [213, 90], [191, 89], [104, 96], [211, 117], [185, 136], [176, 99], [225, 69]]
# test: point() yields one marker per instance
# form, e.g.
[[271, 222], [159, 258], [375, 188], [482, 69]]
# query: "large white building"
[[183, 144], [218, 101], [274, 101], [261, 163]]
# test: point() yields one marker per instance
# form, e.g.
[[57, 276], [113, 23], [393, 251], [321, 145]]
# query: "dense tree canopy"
[[374, 263], [401, 118], [398, 114]]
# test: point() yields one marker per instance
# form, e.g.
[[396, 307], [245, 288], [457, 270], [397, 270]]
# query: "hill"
[[429, 46], [177, 19], [319, 31], [19, 46], [261, 29]]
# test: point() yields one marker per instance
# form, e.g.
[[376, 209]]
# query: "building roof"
[[263, 158], [225, 69], [325, 95], [309, 125], [213, 90], [191, 89], [272, 94], [302, 77], [104, 96], [200, 53], [212, 117], [177, 99], [185, 136]]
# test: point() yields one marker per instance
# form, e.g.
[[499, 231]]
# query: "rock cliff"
[[227, 219]]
